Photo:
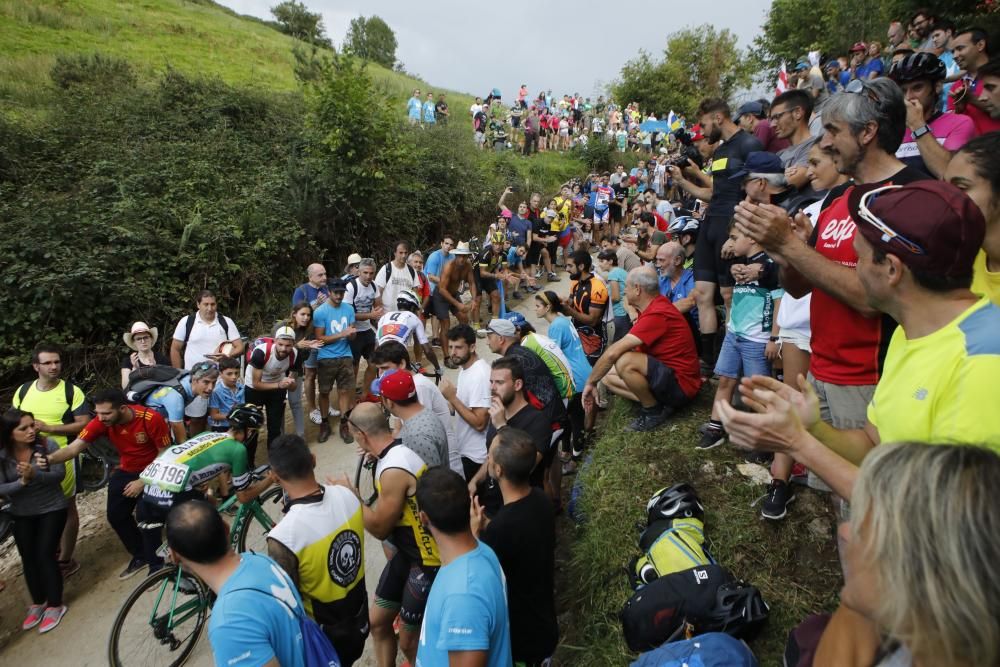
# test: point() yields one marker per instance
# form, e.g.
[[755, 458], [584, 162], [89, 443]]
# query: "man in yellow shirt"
[[916, 249]]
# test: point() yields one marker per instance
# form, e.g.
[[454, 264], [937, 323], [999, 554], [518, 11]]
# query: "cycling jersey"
[[409, 535], [559, 367], [193, 462], [951, 130], [400, 326]]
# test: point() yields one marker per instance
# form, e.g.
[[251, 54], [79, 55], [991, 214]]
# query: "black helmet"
[[679, 500], [739, 611], [918, 66], [246, 416]]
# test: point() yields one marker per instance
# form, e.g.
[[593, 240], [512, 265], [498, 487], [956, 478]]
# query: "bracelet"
[[773, 339]]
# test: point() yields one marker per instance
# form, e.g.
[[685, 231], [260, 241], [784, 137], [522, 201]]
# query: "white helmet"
[[407, 300]]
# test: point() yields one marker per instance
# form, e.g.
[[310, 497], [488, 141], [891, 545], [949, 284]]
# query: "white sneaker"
[[334, 412], [315, 417]]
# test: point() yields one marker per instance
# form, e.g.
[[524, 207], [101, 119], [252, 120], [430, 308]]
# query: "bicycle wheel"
[[364, 479], [258, 519], [160, 622], [94, 471]]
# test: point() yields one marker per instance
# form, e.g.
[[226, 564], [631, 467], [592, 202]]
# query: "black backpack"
[[388, 273], [68, 387], [189, 326], [144, 381]]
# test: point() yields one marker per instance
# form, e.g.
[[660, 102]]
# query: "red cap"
[[934, 215], [859, 46], [696, 134], [397, 386]]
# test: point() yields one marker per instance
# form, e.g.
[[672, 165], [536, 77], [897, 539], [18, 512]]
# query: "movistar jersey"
[[193, 462], [409, 534]]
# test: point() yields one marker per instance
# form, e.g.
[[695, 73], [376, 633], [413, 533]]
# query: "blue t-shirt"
[[430, 112], [306, 292], [467, 611], [618, 275], [874, 65], [334, 321], [251, 627], [513, 259], [562, 331], [413, 108], [169, 402], [224, 399], [518, 229], [436, 262], [681, 290]]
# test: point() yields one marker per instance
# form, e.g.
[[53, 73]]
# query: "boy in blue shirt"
[[228, 393]]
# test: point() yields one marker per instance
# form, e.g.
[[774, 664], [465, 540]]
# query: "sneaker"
[[315, 417], [51, 618], [517, 294], [711, 436], [553, 278], [333, 412], [324, 432], [649, 419], [69, 568], [800, 474], [436, 342], [133, 568], [775, 505], [34, 616], [345, 433], [538, 274]]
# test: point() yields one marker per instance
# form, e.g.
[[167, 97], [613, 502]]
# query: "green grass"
[[194, 37], [793, 562]]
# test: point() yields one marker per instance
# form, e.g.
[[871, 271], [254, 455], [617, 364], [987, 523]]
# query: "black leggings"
[[37, 539], [573, 437]]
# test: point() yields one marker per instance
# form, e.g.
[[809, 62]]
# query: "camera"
[[688, 152]]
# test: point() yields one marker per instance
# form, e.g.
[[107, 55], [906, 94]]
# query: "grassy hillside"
[[192, 36]]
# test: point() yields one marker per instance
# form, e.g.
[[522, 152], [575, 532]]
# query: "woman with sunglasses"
[[141, 339]]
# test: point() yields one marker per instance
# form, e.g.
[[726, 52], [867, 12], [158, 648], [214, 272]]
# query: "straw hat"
[[139, 327], [461, 249]]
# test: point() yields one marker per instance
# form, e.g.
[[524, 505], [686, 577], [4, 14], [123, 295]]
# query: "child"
[[749, 346], [227, 394]]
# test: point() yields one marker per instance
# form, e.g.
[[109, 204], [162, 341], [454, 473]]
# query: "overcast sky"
[[475, 46]]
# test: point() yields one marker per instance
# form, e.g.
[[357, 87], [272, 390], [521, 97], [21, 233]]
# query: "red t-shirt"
[[847, 347], [138, 442], [666, 336], [983, 121]]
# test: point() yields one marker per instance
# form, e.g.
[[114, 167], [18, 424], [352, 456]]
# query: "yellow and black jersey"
[[409, 536]]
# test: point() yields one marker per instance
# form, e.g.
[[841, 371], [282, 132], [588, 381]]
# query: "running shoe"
[[333, 412], [711, 436], [779, 496], [51, 618], [34, 616], [649, 419], [324, 432], [553, 278], [315, 417], [134, 566], [345, 433]]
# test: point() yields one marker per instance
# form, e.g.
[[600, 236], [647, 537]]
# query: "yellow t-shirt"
[[50, 407], [985, 282], [564, 207], [941, 388]]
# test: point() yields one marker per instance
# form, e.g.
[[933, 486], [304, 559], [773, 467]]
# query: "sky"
[[451, 43]]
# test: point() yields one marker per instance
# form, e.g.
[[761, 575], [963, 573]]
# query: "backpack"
[[144, 381], [68, 387], [268, 344], [669, 546], [189, 326], [319, 651], [713, 649], [388, 274]]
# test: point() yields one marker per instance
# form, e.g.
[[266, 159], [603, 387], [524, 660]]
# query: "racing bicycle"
[[161, 620]]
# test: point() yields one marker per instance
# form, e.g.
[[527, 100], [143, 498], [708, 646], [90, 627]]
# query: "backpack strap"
[[267, 350], [188, 327], [69, 388], [225, 325], [23, 391]]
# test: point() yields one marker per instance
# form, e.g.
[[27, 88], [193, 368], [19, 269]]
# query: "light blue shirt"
[[562, 331], [334, 321], [251, 627], [430, 113], [224, 399], [169, 402], [681, 290], [413, 108], [618, 275], [436, 262], [466, 611]]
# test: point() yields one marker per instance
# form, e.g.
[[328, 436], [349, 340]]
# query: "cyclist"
[[404, 325], [407, 577], [320, 544]]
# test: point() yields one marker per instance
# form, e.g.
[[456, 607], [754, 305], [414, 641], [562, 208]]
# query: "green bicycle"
[[162, 619]]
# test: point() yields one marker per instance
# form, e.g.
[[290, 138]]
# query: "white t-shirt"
[[793, 315], [363, 300], [272, 369], [398, 280], [475, 108], [474, 391], [205, 337], [400, 326], [432, 399], [665, 208]]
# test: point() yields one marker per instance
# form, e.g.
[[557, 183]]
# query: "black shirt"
[[522, 534], [536, 424], [538, 381], [728, 159]]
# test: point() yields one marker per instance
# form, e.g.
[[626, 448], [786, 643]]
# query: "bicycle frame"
[[246, 512]]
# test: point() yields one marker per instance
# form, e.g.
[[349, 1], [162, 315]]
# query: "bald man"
[[315, 291]]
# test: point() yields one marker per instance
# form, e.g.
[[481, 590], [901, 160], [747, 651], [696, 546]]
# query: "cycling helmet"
[[517, 319], [739, 611], [677, 226], [691, 226], [680, 500], [918, 66], [407, 300], [246, 415]]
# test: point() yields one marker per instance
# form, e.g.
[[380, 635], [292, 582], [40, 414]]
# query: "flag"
[[782, 81], [673, 121]]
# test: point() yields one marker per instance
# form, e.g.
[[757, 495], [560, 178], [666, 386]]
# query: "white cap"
[[284, 332], [353, 258]]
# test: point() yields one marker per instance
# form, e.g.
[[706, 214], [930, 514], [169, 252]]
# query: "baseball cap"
[[505, 213], [503, 328], [396, 386], [930, 226], [753, 108], [760, 162], [337, 285], [831, 63], [802, 65], [696, 134], [858, 46], [353, 258], [284, 332]]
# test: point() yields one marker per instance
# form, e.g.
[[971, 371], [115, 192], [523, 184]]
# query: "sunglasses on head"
[[862, 87], [888, 233]]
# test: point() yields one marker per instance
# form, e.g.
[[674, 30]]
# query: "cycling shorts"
[[405, 585], [709, 266]]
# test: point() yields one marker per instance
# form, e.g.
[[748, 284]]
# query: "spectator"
[[676, 282], [467, 618], [137, 434], [320, 545], [941, 36], [141, 339], [607, 261], [531, 132], [469, 397], [447, 297], [272, 371], [655, 364], [170, 401], [59, 411], [307, 347], [661, 206], [397, 275], [333, 325], [990, 97], [257, 611], [441, 112], [752, 119], [522, 534], [436, 260], [896, 35], [650, 238], [429, 110], [790, 113], [837, 78], [627, 259], [199, 336], [361, 294], [923, 24], [229, 392], [970, 47], [414, 108], [315, 290], [587, 303], [931, 137], [351, 268], [38, 508], [422, 432]]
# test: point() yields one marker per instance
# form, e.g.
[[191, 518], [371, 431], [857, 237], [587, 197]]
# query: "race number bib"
[[167, 476]]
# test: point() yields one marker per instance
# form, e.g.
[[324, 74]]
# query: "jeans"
[[141, 544], [273, 401], [37, 540], [530, 142], [295, 405]]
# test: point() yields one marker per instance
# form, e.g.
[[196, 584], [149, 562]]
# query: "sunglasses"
[[861, 87], [141, 338], [888, 233]]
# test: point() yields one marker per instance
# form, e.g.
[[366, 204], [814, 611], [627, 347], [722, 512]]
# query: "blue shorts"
[[312, 361], [601, 217], [741, 357]]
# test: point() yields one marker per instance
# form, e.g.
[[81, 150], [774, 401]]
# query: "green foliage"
[[372, 39], [92, 69], [300, 23], [597, 155], [697, 63]]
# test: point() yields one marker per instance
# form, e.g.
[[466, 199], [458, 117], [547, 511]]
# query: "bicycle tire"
[[160, 578], [365, 483], [270, 502], [94, 471]]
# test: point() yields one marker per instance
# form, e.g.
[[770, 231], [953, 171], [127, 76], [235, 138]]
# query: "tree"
[[371, 39], [300, 23], [697, 63]]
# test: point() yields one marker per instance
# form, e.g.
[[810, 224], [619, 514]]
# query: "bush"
[[596, 154]]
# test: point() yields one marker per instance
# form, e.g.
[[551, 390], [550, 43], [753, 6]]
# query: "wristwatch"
[[921, 131], [773, 339]]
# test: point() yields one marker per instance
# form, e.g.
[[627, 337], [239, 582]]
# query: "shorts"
[[796, 338], [515, 121], [440, 307], [405, 585], [552, 248], [312, 361], [843, 407], [616, 211], [563, 132], [741, 356], [709, 266], [663, 383], [197, 408], [362, 345], [485, 285], [601, 217], [339, 371], [534, 254], [480, 137]]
